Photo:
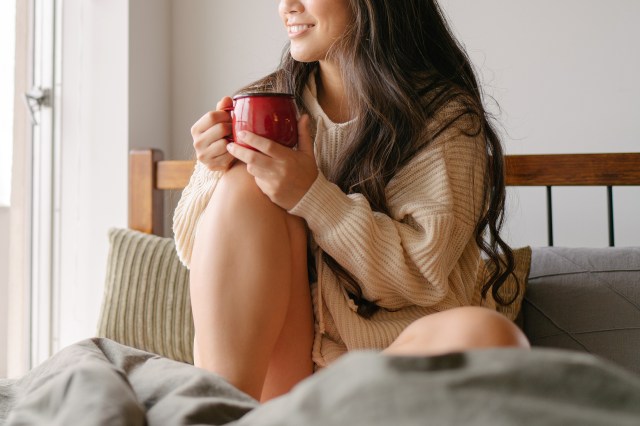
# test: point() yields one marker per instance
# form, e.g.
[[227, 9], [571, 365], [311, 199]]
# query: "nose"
[[290, 6]]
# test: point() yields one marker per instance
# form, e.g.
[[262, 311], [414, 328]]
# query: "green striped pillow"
[[146, 298]]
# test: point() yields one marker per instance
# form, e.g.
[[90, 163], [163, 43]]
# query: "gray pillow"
[[585, 299], [146, 298]]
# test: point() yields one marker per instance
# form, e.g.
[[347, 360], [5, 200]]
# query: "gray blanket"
[[99, 382]]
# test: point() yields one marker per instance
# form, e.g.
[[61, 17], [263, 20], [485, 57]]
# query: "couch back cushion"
[[585, 299]]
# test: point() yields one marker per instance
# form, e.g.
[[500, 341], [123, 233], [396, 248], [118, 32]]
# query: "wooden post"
[[146, 202]]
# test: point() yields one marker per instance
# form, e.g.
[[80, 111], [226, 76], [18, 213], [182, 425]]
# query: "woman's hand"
[[209, 134], [282, 173]]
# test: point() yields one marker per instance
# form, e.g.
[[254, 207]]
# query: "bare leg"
[[245, 287], [291, 360], [457, 330]]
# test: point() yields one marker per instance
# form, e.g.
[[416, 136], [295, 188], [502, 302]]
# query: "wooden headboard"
[[150, 174]]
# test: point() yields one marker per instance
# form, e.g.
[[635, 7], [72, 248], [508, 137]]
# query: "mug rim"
[[263, 94]]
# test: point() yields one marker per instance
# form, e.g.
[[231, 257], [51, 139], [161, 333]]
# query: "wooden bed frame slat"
[[174, 174], [573, 169], [149, 175]]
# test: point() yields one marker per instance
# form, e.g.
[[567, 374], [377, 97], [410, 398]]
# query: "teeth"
[[298, 28]]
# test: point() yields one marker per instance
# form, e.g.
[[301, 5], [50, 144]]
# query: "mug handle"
[[230, 110]]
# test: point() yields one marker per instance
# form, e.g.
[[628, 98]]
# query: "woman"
[[396, 179]]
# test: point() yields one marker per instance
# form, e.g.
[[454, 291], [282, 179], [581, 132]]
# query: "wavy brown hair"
[[401, 65]]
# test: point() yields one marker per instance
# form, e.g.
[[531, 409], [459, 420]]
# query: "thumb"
[[305, 141]]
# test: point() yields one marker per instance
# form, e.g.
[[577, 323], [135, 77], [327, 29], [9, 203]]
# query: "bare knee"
[[456, 330], [237, 185], [239, 202], [488, 328]]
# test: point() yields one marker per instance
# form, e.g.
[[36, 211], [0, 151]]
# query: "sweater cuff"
[[324, 205]]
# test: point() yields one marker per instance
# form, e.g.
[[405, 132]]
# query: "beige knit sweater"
[[421, 259]]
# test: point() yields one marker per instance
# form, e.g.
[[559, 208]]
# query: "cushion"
[[516, 282], [586, 299], [146, 298]]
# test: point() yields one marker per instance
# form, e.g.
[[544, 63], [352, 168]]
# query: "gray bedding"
[[99, 382]]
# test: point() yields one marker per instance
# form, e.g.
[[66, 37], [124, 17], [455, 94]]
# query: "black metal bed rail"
[[549, 170]]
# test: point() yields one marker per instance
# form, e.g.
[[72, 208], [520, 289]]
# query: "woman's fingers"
[[216, 156], [255, 160], [225, 102], [208, 120], [220, 162], [283, 175], [213, 154], [218, 132], [209, 137], [264, 145]]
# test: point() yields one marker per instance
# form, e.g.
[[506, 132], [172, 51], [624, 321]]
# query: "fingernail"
[[231, 146], [242, 134]]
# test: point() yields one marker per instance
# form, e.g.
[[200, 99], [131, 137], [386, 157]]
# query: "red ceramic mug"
[[270, 115]]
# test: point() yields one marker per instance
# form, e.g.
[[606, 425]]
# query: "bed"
[[581, 310]]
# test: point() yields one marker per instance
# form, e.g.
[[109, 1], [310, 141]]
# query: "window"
[[7, 56]]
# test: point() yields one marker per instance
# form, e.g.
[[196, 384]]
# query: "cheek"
[[341, 24], [346, 14]]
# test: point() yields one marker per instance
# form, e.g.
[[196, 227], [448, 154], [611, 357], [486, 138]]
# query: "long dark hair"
[[401, 65]]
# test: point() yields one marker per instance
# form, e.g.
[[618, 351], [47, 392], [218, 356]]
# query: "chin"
[[302, 56]]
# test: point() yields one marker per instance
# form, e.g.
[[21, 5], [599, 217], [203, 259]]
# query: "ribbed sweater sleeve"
[[404, 258], [193, 201]]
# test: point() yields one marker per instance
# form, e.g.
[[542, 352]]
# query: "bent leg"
[[457, 330], [241, 281], [291, 359]]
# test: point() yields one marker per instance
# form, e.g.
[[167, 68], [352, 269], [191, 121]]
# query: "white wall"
[[95, 120], [4, 282], [116, 85], [565, 76]]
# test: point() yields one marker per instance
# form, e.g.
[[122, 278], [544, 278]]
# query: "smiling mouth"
[[297, 29]]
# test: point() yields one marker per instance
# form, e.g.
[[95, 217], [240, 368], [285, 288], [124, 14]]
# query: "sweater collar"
[[310, 98]]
